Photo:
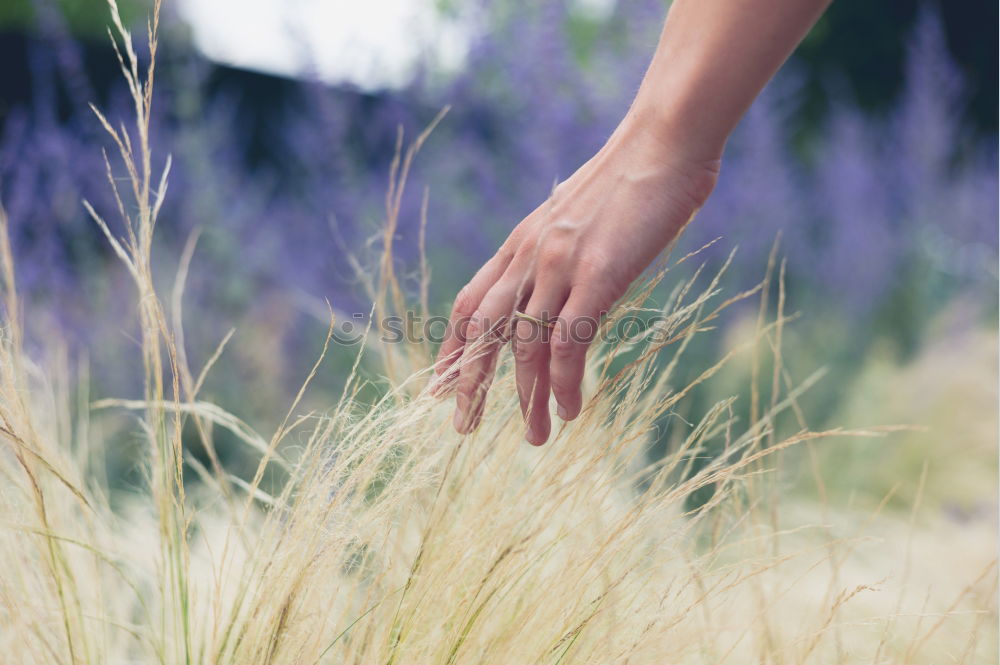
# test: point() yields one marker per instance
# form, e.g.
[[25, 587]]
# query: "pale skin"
[[569, 261]]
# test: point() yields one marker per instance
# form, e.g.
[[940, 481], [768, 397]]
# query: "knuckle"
[[524, 333], [525, 352], [465, 390], [507, 250], [446, 356], [580, 330], [592, 267], [551, 256], [563, 348], [562, 387], [470, 390], [478, 325], [469, 396]]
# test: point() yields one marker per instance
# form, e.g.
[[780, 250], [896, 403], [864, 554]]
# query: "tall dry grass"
[[392, 540]]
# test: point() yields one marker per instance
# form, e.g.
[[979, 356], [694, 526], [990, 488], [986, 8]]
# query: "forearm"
[[713, 59]]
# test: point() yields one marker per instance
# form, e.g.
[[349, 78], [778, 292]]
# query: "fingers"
[[531, 356], [574, 331], [466, 303], [485, 334]]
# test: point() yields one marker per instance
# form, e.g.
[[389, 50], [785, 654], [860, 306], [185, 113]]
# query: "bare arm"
[[577, 253], [713, 59]]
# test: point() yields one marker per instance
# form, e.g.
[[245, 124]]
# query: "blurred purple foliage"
[[862, 203]]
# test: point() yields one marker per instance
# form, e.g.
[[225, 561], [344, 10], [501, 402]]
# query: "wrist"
[[688, 135], [657, 164], [653, 143]]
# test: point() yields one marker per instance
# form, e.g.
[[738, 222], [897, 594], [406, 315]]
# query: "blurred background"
[[873, 153]]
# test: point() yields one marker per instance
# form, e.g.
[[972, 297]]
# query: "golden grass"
[[393, 540]]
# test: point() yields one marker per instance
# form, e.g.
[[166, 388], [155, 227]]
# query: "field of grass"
[[369, 532]]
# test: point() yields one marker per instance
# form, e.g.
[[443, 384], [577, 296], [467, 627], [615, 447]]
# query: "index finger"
[[466, 303]]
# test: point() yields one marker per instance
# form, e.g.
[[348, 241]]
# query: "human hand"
[[574, 256], [567, 263]]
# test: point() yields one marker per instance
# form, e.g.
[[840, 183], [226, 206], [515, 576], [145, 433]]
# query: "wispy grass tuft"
[[392, 540]]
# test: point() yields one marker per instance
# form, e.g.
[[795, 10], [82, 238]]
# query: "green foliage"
[[85, 18]]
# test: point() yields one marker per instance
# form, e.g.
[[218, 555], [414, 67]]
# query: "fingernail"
[[459, 420], [561, 411], [532, 437], [461, 414]]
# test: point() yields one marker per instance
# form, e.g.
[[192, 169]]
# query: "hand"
[[568, 262], [573, 257]]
